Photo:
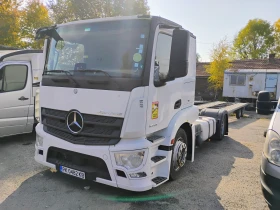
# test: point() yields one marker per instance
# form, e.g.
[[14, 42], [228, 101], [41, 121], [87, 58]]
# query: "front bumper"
[[270, 182], [106, 153]]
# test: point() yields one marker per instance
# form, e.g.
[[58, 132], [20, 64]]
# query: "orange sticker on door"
[[155, 110]]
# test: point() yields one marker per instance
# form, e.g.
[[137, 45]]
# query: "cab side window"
[[163, 50], [13, 78]]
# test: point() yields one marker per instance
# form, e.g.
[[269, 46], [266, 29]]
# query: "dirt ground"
[[224, 175]]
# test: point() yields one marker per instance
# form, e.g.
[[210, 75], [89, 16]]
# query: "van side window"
[[13, 78], [163, 50]]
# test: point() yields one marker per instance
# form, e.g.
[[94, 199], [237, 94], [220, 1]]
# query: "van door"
[[271, 84], [15, 97]]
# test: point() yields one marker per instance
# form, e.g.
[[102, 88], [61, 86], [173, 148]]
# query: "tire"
[[242, 112], [238, 114], [262, 112], [179, 154], [220, 132], [263, 96]]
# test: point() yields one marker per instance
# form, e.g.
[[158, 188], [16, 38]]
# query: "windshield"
[[116, 48]]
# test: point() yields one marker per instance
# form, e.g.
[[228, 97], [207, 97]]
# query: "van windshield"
[[117, 48]]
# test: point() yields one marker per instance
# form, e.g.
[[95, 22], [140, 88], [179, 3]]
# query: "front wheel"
[[179, 154]]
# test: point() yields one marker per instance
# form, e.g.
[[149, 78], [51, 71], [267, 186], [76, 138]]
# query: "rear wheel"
[[220, 131], [179, 154], [238, 113], [242, 112]]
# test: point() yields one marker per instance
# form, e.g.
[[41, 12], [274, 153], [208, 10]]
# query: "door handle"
[[22, 98], [178, 104]]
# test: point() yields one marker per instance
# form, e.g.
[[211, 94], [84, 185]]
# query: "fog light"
[[39, 140], [138, 175]]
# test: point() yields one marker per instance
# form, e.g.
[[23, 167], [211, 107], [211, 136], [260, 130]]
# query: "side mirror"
[[264, 133], [178, 66], [158, 81]]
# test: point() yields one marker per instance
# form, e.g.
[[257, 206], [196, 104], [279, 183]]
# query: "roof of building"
[[201, 70], [242, 65], [256, 64]]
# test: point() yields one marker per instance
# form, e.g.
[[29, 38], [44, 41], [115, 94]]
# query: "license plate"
[[72, 172]]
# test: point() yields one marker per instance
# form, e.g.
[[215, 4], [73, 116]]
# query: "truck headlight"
[[37, 106], [130, 160], [272, 147]]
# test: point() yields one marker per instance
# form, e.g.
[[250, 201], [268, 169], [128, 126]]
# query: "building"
[[247, 77], [202, 89]]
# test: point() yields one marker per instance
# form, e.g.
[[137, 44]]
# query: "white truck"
[[20, 75], [117, 101]]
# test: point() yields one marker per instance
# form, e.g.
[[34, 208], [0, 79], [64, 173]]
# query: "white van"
[[270, 167], [20, 76]]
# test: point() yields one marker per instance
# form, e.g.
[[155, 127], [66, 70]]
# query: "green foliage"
[[277, 37], [255, 40], [198, 57], [34, 16], [69, 10], [220, 58], [9, 23]]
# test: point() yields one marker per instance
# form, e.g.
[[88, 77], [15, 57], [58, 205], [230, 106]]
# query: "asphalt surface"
[[224, 175]]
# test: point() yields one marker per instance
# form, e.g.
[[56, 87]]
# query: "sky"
[[212, 20]]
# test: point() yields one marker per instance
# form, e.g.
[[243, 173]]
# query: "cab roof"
[[135, 17]]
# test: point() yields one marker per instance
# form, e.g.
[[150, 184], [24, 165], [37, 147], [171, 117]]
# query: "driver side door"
[[15, 97], [164, 101]]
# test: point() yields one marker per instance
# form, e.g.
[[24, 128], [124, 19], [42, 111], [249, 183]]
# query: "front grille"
[[93, 166], [97, 130]]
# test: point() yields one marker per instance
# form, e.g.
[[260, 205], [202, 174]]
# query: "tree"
[[68, 10], [220, 58], [255, 40], [277, 37], [9, 23], [198, 57], [34, 16]]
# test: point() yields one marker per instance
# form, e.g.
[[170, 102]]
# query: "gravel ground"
[[224, 175]]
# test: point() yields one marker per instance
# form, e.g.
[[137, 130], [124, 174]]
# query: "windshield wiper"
[[67, 73], [95, 70]]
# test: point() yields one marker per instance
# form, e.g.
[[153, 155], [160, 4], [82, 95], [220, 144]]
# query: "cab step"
[[155, 138], [156, 160], [159, 180]]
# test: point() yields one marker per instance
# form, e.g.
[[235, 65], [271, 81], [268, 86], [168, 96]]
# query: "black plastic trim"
[[165, 148], [121, 173], [36, 84], [93, 166], [270, 189]]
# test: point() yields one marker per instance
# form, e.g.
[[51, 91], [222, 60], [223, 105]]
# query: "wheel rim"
[[180, 154]]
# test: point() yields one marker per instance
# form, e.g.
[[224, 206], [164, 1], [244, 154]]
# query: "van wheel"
[[179, 154]]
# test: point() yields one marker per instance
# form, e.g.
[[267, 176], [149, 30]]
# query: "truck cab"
[[20, 75], [117, 101]]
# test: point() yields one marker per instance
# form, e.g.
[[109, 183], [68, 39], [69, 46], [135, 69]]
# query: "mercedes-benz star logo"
[[75, 122]]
